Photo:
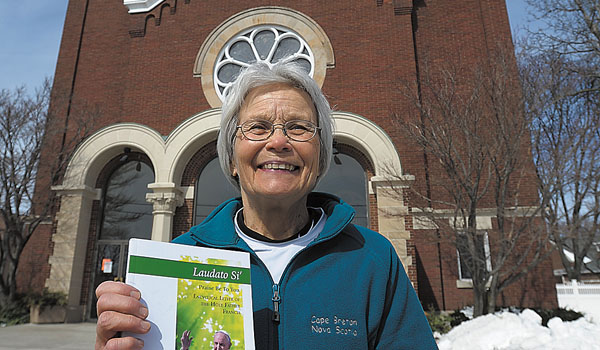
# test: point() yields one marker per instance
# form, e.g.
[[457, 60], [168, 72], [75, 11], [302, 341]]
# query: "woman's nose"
[[278, 140]]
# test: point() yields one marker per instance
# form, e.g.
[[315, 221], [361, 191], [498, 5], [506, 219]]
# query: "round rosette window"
[[269, 44]]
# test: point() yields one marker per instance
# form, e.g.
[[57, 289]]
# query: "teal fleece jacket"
[[346, 290]]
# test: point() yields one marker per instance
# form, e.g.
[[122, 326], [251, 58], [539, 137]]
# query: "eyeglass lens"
[[297, 130]]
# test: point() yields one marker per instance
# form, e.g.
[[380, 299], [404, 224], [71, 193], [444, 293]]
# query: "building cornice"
[[139, 6]]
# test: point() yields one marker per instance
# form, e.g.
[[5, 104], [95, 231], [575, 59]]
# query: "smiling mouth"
[[278, 166]]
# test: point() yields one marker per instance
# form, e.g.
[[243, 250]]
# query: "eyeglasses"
[[260, 130]]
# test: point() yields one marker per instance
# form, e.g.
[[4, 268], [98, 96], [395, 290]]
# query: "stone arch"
[[369, 138], [187, 139], [93, 154], [169, 155], [77, 192]]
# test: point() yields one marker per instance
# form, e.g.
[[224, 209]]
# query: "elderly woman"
[[318, 281]]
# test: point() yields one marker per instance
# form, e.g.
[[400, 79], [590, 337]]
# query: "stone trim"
[[70, 244], [366, 136], [392, 211], [423, 217], [165, 199], [168, 155]]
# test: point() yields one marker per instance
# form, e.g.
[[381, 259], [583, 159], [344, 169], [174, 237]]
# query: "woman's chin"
[[279, 192], [283, 193]]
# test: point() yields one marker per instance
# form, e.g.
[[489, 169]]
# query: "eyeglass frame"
[[283, 129]]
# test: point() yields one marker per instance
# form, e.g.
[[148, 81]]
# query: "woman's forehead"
[[277, 101]]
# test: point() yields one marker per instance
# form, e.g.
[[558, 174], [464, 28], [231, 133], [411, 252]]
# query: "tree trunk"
[[491, 301], [480, 297]]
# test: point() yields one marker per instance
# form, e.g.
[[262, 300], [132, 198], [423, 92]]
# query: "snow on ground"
[[509, 331]]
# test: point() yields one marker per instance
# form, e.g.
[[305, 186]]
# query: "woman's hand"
[[119, 310]]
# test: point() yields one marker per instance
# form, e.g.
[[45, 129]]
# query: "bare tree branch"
[[566, 150], [25, 120], [472, 124], [572, 28]]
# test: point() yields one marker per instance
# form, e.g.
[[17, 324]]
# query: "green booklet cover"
[[195, 296]]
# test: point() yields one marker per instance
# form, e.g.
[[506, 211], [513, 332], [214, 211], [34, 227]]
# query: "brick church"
[[156, 71]]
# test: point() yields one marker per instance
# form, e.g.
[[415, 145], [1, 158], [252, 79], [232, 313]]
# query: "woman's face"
[[276, 168]]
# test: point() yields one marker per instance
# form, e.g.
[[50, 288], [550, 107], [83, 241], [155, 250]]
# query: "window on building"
[[266, 34], [348, 180], [465, 258], [269, 44], [126, 213], [212, 189]]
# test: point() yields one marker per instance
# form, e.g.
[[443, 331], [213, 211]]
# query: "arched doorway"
[[125, 214]]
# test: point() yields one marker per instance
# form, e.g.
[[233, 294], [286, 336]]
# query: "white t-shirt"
[[276, 256]]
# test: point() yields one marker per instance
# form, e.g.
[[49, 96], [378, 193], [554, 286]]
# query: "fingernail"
[[144, 311], [140, 343], [145, 325], [135, 294]]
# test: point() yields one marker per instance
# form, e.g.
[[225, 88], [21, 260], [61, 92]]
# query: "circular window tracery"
[[269, 44]]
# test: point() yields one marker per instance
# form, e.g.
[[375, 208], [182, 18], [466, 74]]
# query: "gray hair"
[[261, 74]]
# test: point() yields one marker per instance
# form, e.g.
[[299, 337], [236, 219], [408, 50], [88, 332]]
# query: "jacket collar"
[[218, 230]]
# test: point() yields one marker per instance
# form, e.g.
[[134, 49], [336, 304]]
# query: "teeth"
[[279, 166]]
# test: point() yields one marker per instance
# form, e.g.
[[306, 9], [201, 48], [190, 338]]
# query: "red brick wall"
[[438, 285], [33, 266]]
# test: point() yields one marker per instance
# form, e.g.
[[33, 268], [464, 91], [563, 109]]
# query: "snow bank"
[[510, 331]]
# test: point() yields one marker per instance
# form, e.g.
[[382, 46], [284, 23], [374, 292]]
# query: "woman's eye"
[[258, 127], [298, 127]]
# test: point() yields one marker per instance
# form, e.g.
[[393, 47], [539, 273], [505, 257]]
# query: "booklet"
[[194, 294]]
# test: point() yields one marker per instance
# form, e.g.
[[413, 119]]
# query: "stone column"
[[391, 212], [70, 245], [165, 198]]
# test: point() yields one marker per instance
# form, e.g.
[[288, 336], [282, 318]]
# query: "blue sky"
[[31, 31], [30, 38]]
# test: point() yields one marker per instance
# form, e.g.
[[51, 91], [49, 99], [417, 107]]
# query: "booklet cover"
[[194, 294]]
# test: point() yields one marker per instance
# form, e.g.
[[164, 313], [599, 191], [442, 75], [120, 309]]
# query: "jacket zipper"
[[276, 300]]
